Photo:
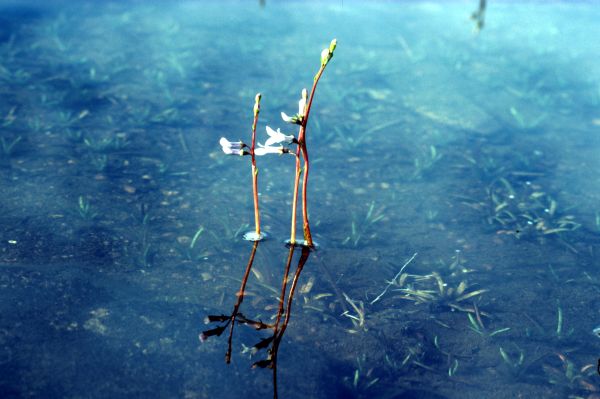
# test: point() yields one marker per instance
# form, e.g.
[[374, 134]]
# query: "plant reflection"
[[282, 318]]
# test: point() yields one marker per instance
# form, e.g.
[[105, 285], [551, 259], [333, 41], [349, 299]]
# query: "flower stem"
[[255, 192], [305, 225], [254, 169], [309, 103], [302, 149], [295, 201]]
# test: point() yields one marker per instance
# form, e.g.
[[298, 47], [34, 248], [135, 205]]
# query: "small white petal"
[[286, 118], [264, 150], [231, 144], [233, 151], [276, 137], [272, 132], [301, 106], [288, 139]]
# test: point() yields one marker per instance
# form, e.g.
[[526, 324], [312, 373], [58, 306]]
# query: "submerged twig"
[[394, 279]]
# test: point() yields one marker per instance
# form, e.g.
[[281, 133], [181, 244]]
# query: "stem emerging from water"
[[254, 169], [295, 201], [302, 149], [326, 55]]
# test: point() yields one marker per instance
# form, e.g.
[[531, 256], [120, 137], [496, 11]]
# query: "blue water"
[[122, 220]]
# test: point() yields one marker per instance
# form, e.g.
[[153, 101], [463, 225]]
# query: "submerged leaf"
[[470, 295]]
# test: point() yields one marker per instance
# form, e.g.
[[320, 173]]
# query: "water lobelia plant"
[[301, 119], [270, 147], [238, 148]]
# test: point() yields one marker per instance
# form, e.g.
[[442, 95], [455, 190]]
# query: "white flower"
[[233, 151], [297, 119], [231, 144], [276, 137], [264, 150], [302, 103], [289, 119], [232, 147]]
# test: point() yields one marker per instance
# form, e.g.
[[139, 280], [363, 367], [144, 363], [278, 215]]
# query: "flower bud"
[[332, 46], [324, 56], [257, 103]]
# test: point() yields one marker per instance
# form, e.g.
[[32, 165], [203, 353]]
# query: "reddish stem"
[[295, 201], [240, 298], [302, 148], [255, 171], [305, 225]]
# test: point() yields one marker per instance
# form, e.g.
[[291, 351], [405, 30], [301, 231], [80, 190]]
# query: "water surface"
[[477, 152]]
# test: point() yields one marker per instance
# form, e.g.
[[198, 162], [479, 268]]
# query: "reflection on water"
[[271, 343], [122, 221]]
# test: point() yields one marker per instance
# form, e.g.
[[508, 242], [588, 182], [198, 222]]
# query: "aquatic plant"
[[279, 138], [9, 145], [442, 294], [362, 378], [106, 144], [360, 227], [526, 210], [577, 381], [515, 363], [274, 144], [85, 209], [358, 319], [546, 334], [476, 324], [238, 148], [302, 119], [425, 161]]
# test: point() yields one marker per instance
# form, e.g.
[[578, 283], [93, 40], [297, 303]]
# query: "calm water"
[[121, 219]]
